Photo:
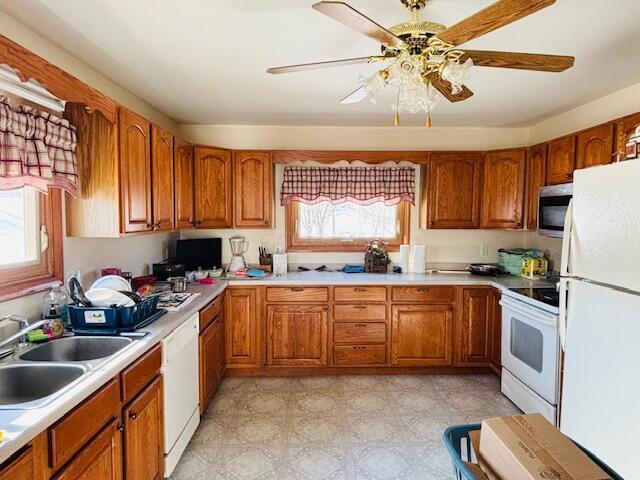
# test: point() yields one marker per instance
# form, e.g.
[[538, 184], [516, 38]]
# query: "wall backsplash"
[[443, 246]]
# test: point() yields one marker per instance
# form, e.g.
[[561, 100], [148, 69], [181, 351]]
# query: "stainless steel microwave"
[[553, 202]]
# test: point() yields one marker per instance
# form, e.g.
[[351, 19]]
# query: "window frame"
[[296, 244], [37, 277]]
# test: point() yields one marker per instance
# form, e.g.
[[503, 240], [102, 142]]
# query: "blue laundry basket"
[[455, 437]]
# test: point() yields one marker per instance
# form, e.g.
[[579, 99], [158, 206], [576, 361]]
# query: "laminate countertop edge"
[[22, 426]]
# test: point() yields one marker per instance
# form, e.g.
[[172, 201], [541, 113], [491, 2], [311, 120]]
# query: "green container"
[[510, 260]]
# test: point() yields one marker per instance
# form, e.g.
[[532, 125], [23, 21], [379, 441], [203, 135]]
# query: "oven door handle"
[[530, 313]]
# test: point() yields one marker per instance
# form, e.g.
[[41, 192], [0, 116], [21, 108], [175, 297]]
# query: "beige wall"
[[90, 255]]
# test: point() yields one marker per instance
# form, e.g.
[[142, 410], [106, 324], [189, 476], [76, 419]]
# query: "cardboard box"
[[487, 473], [528, 447]]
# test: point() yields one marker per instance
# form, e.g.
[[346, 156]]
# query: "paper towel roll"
[[419, 258], [405, 251]]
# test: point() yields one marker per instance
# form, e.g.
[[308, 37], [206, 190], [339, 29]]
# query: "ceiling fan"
[[423, 57]]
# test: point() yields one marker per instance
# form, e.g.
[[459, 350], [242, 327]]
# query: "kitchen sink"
[[76, 349], [22, 384]]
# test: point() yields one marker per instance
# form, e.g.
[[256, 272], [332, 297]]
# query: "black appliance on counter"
[[167, 269], [199, 252]]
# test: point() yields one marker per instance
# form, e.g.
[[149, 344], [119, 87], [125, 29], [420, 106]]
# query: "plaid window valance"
[[37, 149], [361, 185]]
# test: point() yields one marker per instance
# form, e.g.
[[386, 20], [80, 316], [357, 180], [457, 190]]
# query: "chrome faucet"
[[20, 335]]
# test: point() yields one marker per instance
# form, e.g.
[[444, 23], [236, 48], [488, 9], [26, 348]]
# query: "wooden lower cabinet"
[[421, 335], [297, 334], [101, 459], [143, 434], [29, 463], [496, 333], [211, 354], [474, 326], [242, 327]]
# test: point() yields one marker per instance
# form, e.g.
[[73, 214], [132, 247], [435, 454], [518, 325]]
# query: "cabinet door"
[[625, 127], [503, 192], [474, 332], [452, 185], [184, 184], [242, 333], [561, 160], [595, 147], [213, 193], [135, 172], [536, 178], [496, 332], [211, 359], [162, 178], [143, 434], [421, 335], [297, 334], [253, 190], [101, 459]]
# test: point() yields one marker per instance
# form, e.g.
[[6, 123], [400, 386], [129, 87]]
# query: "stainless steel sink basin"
[[76, 349], [24, 383]]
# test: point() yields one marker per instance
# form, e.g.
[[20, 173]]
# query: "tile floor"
[[336, 428]]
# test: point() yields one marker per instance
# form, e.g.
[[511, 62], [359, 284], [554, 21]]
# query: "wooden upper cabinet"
[[474, 332], [135, 172], [503, 192], [561, 160], [253, 189], [162, 178], [625, 127], [451, 187], [297, 335], [242, 327], [595, 146], [536, 178], [421, 335], [143, 434], [213, 188], [184, 184]]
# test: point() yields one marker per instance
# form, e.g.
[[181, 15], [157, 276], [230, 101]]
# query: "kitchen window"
[[30, 241], [341, 209]]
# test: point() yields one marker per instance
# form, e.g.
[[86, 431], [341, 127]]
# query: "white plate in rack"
[[113, 282]]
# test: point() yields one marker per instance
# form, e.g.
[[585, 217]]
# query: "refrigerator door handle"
[[563, 318], [566, 240]]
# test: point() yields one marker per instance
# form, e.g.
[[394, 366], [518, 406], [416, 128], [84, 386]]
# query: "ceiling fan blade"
[[501, 13], [350, 17], [522, 61], [444, 87], [318, 65], [356, 96]]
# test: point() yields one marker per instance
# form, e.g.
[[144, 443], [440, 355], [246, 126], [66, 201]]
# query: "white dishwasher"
[[181, 395]]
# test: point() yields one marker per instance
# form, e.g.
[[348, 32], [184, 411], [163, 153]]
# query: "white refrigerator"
[[600, 315]]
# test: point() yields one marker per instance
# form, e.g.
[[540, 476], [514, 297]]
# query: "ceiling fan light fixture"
[[457, 74]]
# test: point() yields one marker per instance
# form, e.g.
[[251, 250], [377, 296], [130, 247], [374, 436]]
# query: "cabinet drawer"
[[423, 294], [138, 375], [359, 332], [360, 294], [297, 294], [209, 313], [359, 312], [74, 430], [360, 355]]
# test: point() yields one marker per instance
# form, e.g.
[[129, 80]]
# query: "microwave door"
[[551, 214]]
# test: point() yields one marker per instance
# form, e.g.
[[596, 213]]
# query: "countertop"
[[436, 278], [21, 426]]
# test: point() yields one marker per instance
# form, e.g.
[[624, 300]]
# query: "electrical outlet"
[[484, 250]]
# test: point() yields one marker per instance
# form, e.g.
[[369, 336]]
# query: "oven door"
[[530, 347], [553, 203]]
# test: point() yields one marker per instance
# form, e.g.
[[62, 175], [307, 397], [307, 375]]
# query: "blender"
[[238, 247]]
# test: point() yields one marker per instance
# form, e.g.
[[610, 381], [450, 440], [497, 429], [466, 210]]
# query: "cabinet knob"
[[266, 222], [133, 415], [121, 427], [150, 225], [569, 175], [198, 222], [519, 224], [325, 309]]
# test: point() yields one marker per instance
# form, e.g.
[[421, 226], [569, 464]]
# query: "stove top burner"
[[547, 295]]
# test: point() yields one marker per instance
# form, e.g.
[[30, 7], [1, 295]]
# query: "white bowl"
[[113, 282], [105, 297], [200, 274], [215, 273]]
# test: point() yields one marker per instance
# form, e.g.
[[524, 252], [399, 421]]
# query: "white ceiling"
[[204, 61]]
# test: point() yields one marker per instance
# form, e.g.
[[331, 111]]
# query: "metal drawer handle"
[[359, 348], [359, 289], [360, 307], [361, 324], [422, 289], [297, 289]]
